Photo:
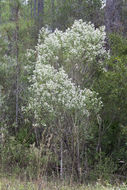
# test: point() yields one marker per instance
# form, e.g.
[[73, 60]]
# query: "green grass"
[[16, 184]]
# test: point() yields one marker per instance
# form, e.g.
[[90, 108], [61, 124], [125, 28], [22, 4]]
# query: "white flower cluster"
[[81, 43], [52, 91]]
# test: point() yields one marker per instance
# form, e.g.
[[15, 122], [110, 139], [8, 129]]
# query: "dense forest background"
[[63, 88]]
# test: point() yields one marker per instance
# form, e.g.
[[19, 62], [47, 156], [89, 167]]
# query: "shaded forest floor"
[[16, 184]]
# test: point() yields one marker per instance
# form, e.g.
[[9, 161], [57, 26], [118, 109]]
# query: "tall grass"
[[16, 184]]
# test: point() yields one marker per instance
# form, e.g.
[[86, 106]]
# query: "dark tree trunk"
[[31, 5], [124, 16], [113, 16], [53, 14], [0, 13], [35, 2], [17, 62], [40, 13]]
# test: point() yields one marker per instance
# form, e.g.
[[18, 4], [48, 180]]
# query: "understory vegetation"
[[15, 184]]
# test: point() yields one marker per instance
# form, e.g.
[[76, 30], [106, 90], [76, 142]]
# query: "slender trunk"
[[53, 15], [86, 162], [98, 148], [40, 13], [17, 83], [78, 159], [77, 147], [35, 8], [36, 136], [73, 154], [0, 13], [61, 147], [14, 17], [61, 159], [31, 8], [61, 150], [17, 64]]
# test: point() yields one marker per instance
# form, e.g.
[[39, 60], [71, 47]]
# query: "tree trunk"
[[31, 7], [113, 14], [53, 15], [35, 8], [124, 16], [40, 13], [78, 158], [17, 63], [61, 159], [0, 13], [98, 148]]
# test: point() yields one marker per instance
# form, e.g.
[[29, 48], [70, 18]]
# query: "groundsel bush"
[[56, 104], [52, 91], [77, 49], [81, 42]]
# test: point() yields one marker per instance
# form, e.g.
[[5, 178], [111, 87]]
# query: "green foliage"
[[17, 158], [105, 168], [112, 83], [64, 13], [118, 45], [25, 136], [112, 87]]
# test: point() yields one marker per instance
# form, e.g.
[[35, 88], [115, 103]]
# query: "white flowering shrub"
[[77, 49], [52, 91], [56, 104]]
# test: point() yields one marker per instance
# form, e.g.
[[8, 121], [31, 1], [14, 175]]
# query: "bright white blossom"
[[76, 49], [52, 91], [103, 3], [81, 43]]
